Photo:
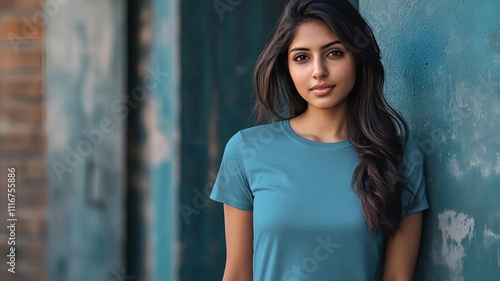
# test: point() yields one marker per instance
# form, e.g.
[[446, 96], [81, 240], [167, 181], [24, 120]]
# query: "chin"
[[328, 105]]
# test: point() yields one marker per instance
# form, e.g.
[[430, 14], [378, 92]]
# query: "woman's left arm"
[[402, 249]]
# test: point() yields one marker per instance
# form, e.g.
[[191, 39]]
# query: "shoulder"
[[262, 132], [411, 150], [413, 154], [414, 195]]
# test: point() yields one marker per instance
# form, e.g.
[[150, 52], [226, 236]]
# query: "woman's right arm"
[[239, 244]]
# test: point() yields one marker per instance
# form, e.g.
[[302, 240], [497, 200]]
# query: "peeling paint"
[[455, 227], [474, 160], [454, 167], [497, 165], [498, 257], [490, 237]]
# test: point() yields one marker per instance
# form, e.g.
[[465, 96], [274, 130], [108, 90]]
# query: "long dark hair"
[[376, 130]]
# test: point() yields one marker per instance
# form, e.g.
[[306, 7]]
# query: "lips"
[[322, 89]]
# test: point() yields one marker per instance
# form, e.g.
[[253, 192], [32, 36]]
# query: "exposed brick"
[[26, 272], [30, 223], [34, 169], [33, 269], [22, 141], [22, 138], [32, 197], [24, 58], [28, 195], [21, 87], [19, 4], [21, 112], [30, 251], [30, 227], [19, 28], [26, 267], [5, 164]]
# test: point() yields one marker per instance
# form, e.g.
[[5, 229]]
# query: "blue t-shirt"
[[307, 219]]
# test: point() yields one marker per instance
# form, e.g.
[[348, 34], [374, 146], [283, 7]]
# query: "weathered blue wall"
[[85, 75], [442, 62]]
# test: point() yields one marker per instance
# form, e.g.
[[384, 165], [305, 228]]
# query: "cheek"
[[296, 75], [347, 73]]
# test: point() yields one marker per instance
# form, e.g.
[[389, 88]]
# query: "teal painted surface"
[[84, 46], [163, 135], [442, 61], [220, 42]]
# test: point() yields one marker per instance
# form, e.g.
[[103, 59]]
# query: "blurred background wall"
[[115, 115], [220, 42], [85, 70]]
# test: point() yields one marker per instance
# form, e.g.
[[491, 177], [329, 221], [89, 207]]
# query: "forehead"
[[311, 34]]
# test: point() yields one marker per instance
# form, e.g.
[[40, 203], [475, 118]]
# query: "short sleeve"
[[414, 196], [231, 185]]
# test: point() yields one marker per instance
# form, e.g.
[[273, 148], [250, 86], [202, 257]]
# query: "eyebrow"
[[321, 48]]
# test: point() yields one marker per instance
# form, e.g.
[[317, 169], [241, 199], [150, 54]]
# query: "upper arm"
[[402, 250], [239, 244]]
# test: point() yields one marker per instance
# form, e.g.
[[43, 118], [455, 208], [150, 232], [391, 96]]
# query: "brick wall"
[[22, 138]]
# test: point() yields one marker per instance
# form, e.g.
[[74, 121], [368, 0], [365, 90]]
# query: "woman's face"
[[316, 56]]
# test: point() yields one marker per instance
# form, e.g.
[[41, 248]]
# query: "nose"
[[319, 71]]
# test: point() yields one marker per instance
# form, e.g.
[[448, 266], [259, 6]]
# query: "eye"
[[336, 53], [300, 58]]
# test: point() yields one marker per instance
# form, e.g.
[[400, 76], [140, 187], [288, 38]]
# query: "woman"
[[332, 189]]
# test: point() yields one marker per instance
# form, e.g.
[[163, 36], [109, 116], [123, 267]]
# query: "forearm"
[[236, 277], [402, 250]]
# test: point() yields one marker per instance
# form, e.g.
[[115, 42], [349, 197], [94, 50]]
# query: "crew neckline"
[[287, 128]]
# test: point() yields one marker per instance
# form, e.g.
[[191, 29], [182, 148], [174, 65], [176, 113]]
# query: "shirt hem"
[[424, 206], [233, 203]]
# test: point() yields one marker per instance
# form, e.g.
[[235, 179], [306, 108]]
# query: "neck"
[[322, 125]]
